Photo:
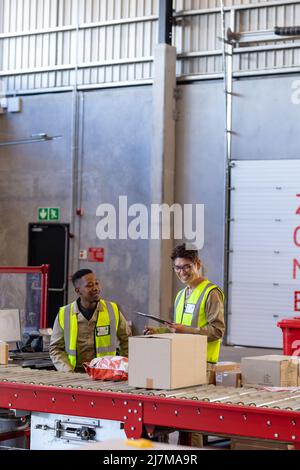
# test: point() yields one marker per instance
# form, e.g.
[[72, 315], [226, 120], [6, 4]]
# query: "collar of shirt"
[[76, 310]]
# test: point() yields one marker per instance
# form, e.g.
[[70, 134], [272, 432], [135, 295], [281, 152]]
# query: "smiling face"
[[186, 270], [88, 288]]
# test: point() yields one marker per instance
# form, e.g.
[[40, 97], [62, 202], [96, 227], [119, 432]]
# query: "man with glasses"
[[87, 328], [199, 307]]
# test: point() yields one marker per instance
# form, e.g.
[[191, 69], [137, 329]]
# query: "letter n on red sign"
[[296, 265], [96, 255]]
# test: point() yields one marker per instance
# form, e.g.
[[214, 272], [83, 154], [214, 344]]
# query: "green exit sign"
[[46, 214], [54, 213]]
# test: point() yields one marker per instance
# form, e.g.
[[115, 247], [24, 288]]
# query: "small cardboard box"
[[225, 366], [273, 370], [231, 378], [167, 361], [3, 353]]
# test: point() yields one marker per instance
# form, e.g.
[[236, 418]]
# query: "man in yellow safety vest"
[[199, 307], [87, 328]]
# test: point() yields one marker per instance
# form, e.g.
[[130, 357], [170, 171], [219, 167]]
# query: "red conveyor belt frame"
[[151, 411]]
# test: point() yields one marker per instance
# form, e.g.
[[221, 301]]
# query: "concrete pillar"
[[162, 178]]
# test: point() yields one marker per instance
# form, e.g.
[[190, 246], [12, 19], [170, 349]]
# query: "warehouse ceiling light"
[[42, 137]]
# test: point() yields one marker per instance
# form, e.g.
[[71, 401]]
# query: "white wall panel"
[[263, 217]]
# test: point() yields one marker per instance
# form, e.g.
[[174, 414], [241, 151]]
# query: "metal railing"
[[44, 272]]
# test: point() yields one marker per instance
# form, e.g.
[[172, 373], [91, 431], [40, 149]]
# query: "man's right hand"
[[149, 330]]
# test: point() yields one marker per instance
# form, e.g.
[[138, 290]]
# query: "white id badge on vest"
[[189, 308], [102, 330]]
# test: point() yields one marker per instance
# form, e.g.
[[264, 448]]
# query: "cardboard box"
[[167, 361], [227, 366], [3, 353], [273, 370], [297, 359], [232, 378], [258, 444], [213, 369]]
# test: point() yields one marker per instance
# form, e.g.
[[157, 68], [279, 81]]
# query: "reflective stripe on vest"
[[195, 319], [105, 345], [68, 323], [198, 318], [177, 300]]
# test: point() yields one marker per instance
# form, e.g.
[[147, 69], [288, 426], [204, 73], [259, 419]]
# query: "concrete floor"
[[235, 353]]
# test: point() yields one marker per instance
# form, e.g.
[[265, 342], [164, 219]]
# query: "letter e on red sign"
[[297, 301]]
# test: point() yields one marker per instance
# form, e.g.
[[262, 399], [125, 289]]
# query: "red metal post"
[[44, 295], [21, 269]]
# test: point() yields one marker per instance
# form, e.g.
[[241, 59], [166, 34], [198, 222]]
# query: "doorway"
[[49, 244]]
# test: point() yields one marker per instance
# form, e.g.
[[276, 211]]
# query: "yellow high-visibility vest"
[[105, 331], [196, 316]]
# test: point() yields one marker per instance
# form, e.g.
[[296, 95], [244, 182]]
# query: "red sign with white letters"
[[96, 255], [296, 263]]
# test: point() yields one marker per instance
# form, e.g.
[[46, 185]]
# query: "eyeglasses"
[[185, 268]]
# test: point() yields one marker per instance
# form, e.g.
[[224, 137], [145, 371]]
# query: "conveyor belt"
[[245, 396], [247, 411]]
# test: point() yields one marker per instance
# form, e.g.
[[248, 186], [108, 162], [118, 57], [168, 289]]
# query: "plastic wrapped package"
[[108, 368]]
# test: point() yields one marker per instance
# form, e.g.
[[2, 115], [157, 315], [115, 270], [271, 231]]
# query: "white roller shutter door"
[[263, 248]]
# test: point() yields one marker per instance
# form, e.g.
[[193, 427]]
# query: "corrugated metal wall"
[[199, 45], [61, 43]]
